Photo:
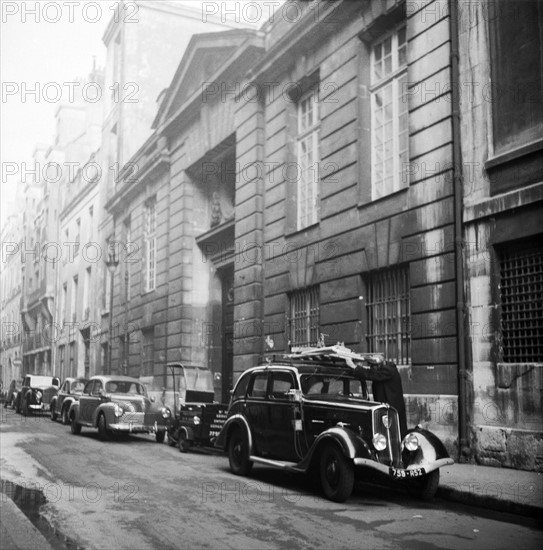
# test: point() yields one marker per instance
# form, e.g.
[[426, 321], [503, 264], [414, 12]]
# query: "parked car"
[[118, 404], [308, 413], [36, 393], [11, 394], [69, 392], [197, 418]]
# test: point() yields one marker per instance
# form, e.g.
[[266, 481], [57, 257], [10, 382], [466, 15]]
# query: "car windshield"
[[77, 386], [198, 379], [41, 381], [124, 386], [325, 384]]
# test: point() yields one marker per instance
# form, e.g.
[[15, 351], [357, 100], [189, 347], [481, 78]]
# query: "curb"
[[16, 531], [489, 502]]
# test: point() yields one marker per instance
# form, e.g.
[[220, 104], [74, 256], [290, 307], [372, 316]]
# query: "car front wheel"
[[184, 443], [238, 454], [64, 416], [74, 426], [105, 434], [425, 487], [160, 437], [53, 412], [336, 474]]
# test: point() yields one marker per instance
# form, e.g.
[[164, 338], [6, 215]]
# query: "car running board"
[[292, 466]]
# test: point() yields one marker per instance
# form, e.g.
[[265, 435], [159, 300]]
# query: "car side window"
[[65, 388], [88, 387], [97, 387], [259, 385], [241, 388], [26, 381], [282, 382]]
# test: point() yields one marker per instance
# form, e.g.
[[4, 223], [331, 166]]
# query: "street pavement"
[[174, 493]]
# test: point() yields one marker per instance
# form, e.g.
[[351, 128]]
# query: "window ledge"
[[513, 154], [371, 202], [294, 232]]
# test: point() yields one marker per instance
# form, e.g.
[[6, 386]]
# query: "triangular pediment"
[[204, 56]]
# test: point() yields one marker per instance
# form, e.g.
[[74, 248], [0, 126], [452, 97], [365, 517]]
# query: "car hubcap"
[[332, 472]]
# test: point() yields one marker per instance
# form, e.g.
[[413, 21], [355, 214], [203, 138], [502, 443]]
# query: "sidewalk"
[[16, 530], [500, 489]]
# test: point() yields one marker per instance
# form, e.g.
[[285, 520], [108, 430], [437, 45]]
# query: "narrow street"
[[134, 493]]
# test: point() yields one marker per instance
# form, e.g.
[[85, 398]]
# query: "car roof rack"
[[328, 355]]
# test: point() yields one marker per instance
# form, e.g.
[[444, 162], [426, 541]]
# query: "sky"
[[46, 42]]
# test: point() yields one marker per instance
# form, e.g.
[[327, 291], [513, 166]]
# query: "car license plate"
[[405, 474]]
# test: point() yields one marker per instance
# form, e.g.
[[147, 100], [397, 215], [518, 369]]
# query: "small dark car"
[[308, 413], [69, 392], [118, 404], [36, 393]]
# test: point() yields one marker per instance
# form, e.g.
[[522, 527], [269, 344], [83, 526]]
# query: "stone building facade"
[[142, 55], [288, 199], [501, 100]]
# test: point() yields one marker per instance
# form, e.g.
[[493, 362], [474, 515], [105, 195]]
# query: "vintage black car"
[[307, 413], [118, 404], [69, 392], [36, 393]]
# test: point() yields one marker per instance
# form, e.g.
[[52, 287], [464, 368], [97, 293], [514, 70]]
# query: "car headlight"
[[196, 420], [118, 410], [379, 442], [165, 412], [411, 442], [38, 394]]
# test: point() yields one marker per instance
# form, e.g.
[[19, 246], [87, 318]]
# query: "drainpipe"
[[463, 372]]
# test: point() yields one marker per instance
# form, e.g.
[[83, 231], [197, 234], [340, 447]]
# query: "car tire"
[[64, 416], [171, 441], [336, 474], [104, 433], [53, 411], [183, 442], [160, 436], [26, 407], [425, 487], [74, 426], [238, 454], [18, 405]]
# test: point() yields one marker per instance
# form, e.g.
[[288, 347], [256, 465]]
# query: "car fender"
[[352, 445], [237, 421], [189, 433], [74, 410], [430, 449], [108, 410]]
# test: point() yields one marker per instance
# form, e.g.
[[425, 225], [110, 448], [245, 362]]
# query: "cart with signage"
[[197, 418]]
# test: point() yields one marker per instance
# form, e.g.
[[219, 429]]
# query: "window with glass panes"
[[388, 310], [308, 159], [149, 245], [304, 317], [389, 114]]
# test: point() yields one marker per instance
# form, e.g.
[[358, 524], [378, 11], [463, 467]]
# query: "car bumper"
[[137, 427], [411, 472], [34, 407]]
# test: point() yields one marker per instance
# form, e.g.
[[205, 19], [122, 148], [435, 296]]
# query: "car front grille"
[[132, 417], [391, 455]]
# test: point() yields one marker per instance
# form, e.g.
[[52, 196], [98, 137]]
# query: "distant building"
[[11, 238], [50, 257], [501, 114]]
